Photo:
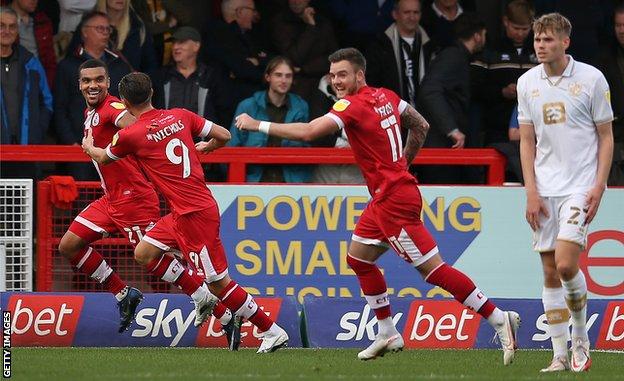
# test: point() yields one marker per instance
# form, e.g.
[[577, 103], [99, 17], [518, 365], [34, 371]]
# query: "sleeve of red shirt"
[[199, 126], [341, 112], [115, 110], [121, 145]]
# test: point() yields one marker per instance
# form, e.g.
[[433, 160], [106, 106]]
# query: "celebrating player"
[[566, 146], [372, 119], [162, 141], [129, 205]]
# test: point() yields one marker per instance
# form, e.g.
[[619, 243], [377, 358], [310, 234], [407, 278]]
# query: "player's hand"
[[592, 202], [87, 141], [308, 16], [535, 206], [204, 147], [254, 61], [246, 123], [459, 138]]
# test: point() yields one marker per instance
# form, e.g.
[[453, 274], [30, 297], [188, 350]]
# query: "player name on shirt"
[[166, 131]]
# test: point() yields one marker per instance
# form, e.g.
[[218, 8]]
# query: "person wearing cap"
[[190, 84]]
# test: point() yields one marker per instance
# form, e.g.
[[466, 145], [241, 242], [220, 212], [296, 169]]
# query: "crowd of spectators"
[[456, 61]]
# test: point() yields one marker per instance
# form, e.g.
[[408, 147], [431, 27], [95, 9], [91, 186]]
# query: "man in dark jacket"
[[234, 44], [497, 69], [398, 58], [307, 38], [611, 63], [25, 99], [444, 98], [191, 84], [69, 104], [36, 35]]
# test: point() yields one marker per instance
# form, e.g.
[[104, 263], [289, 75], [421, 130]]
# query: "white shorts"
[[566, 222]]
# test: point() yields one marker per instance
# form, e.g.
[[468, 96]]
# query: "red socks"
[[91, 263], [373, 285], [170, 270], [462, 288], [244, 305]]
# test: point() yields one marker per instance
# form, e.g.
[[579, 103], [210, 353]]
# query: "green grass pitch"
[[118, 364]]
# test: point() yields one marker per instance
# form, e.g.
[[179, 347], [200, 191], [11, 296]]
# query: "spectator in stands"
[[94, 42], [160, 22], [307, 38], [25, 99], [235, 46], [71, 14], [321, 101], [36, 35], [444, 98], [397, 59], [611, 63], [438, 21], [360, 20], [498, 68], [130, 36], [190, 84], [511, 149], [276, 104]]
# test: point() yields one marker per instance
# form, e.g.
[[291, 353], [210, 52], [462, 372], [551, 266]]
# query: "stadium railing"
[[239, 157], [54, 272]]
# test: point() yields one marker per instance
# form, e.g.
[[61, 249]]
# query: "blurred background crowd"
[[456, 61]]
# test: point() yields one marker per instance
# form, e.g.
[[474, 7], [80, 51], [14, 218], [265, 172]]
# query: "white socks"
[[576, 299], [558, 316], [200, 293], [227, 316]]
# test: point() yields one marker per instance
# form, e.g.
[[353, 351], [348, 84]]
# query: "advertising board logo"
[[44, 320], [170, 324], [440, 324], [360, 325], [611, 334], [210, 334], [596, 282]]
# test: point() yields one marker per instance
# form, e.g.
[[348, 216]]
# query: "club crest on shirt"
[[118, 105], [115, 139], [554, 113], [535, 93], [575, 89], [341, 105], [95, 120]]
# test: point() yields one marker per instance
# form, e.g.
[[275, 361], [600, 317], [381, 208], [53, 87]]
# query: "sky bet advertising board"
[[293, 241]]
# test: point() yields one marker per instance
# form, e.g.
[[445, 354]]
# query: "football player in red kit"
[[372, 119], [129, 204], [162, 142]]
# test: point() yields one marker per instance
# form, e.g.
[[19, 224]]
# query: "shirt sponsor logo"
[[341, 105], [554, 113], [40, 320]]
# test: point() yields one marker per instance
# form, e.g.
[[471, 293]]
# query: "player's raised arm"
[[307, 132], [418, 127], [96, 153]]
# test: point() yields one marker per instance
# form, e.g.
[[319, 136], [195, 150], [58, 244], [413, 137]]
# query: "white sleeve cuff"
[[336, 119], [402, 106], [206, 129], [121, 115], [110, 154]]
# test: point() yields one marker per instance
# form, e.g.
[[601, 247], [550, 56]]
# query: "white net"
[[16, 235]]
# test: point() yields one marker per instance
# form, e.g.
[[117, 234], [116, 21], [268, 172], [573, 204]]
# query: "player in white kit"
[[566, 147]]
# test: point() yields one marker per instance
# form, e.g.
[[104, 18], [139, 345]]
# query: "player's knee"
[[144, 253], [566, 270], [69, 245]]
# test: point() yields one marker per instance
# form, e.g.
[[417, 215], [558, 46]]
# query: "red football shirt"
[[162, 141], [371, 119], [122, 178]]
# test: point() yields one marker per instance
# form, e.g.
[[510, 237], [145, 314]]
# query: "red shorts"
[[130, 218], [197, 236], [395, 221]]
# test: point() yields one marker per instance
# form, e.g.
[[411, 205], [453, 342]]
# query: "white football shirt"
[[565, 111]]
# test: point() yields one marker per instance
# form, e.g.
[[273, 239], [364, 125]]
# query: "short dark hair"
[[93, 63], [467, 24], [354, 56], [88, 17], [135, 88], [520, 12]]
